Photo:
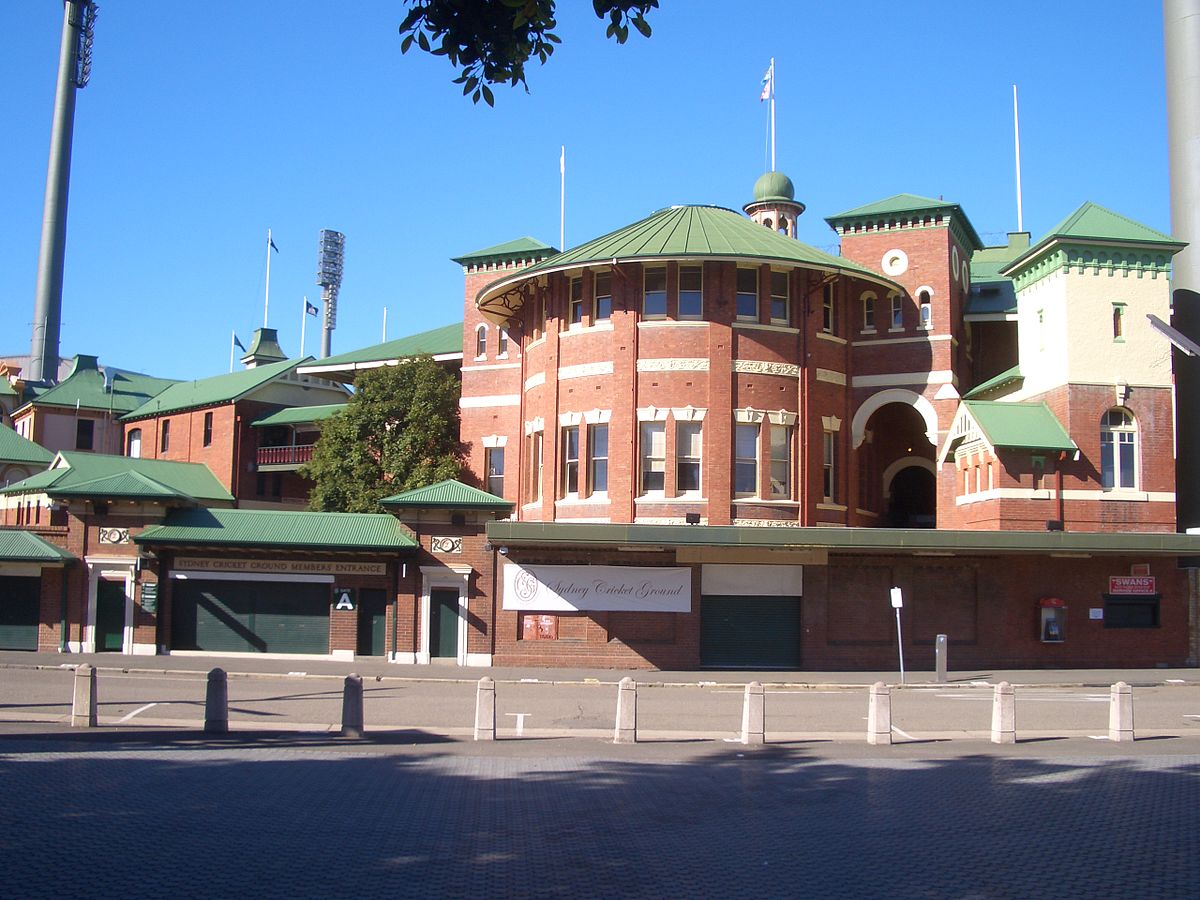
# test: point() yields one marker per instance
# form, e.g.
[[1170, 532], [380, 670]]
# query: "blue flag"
[[271, 241], [310, 309], [240, 344]]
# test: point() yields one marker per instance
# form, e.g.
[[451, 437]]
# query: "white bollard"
[[879, 714], [1004, 714], [941, 646], [352, 706], [753, 720], [485, 710], [216, 703], [1120, 712], [83, 705], [626, 730]]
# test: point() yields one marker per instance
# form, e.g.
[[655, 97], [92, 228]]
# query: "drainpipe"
[[1058, 474], [62, 626]]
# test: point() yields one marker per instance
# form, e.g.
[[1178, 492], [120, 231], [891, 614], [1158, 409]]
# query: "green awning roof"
[[844, 540], [445, 343], [1007, 377], [677, 233], [298, 415], [23, 546], [280, 529], [16, 449], [101, 476], [447, 494], [212, 391], [1028, 426]]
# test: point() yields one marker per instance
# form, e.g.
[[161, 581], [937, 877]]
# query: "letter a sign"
[[345, 598]]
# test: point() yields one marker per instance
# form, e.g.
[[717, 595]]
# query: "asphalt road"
[[545, 709]]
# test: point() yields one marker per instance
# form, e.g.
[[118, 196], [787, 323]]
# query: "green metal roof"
[[774, 186], [443, 343], [89, 388], [298, 415], [521, 248], [6, 388], [906, 203], [1092, 223], [987, 262], [281, 529], [1005, 378], [16, 449], [24, 546], [449, 493], [845, 540], [1028, 426], [101, 476], [212, 391], [680, 232]]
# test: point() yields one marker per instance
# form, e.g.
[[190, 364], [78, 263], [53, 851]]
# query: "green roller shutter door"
[[20, 599], [750, 632], [250, 616]]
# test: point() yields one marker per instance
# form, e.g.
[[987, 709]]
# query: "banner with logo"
[[606, 588]]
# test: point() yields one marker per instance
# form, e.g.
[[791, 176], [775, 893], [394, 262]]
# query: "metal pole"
[[267, 298], [900, 644], [1017, 141], [43, 362]]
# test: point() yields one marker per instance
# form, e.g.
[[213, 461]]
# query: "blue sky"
[[206, 124]]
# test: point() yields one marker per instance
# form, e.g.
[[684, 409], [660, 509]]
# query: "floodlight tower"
[[331, 251], [74, 70]]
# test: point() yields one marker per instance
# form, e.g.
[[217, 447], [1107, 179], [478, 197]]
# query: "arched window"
[[481, 342], [133, 443], [1118, 450], [769, 224]]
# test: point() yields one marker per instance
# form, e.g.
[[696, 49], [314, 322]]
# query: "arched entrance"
[[912, 498], [897, 434]]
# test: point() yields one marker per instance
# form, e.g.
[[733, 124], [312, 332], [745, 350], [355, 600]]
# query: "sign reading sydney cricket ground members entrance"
[[609, 588]]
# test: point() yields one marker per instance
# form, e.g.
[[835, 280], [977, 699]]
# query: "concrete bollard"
[[1004, 714], [83, 704], [352, 706], [753, 719], [941, 648], [879, 714], [626, 730], [216, 703], [1120, 712], [485, 710]]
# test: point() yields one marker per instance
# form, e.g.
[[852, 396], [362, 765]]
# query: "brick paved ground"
[[305, 817]]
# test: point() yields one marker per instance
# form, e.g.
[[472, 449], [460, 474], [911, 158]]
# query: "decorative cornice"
[[1094, 259], [762, 367], [670, 364]]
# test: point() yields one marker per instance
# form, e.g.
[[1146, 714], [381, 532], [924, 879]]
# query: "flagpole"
[[772, 114], [232, 338], [267, 299], [1017, 141], [385, 324], [562, 199], [303, 325]]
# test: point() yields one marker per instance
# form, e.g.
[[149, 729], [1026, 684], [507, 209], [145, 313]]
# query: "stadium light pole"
[[331, 252]]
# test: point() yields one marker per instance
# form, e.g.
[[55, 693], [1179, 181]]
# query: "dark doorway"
[[372, 622], [110, 616], [443, 623], [913, 499]]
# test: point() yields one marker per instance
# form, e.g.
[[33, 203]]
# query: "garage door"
[[250, 616], [20, 599], [750, 632]]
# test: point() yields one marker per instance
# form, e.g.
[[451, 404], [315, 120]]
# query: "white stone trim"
[[832, 338], [577, 329], [940, 376], [652, 414], [758, 326], [491, 367], [109, 568], [673, 323], [688, 414], [782, 417], [598, 416], [903, 463], [671, 364], [489, 402], [204, 575], [568, 419], [763, 367], [535, 425], [535, 380], [831, 377], [895, 395], [585, 370], [831, 423], [923, 339], [444, 577], [495, 440], [748, 416]]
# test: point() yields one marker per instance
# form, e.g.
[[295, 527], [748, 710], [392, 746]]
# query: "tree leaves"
[[490, 41]]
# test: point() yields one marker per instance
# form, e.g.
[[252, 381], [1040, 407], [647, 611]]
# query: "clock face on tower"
[[895, 262]]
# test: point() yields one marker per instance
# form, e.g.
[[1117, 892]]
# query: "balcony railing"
[[284, 456]]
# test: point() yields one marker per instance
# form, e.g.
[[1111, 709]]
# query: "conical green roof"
[[448, 494]]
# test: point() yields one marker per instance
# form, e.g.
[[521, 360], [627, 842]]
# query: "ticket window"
[[1053, 621]]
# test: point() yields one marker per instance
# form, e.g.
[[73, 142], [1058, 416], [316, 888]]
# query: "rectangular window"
[[747, 295], [654, 293], [533, 457], [1039, 473], [502, 343], [165, 436], [745, 460], [691, 303], [1131, 612], [575, 302], [570, 460], [781, 462], [85, 430], [493, 461], [688, 445], [598, 459], [602, 287], [829, 479], [779, 298], [1118, 321], [869, 312], [897, 311], [481, 342], [654, 457], [208, 428], [829, 318], [926, 315]]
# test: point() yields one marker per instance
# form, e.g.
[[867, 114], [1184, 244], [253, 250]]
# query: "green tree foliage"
[[398, 432], [491, 40]]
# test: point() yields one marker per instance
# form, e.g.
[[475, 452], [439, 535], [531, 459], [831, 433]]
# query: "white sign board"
[[897, 598], [608, 588]]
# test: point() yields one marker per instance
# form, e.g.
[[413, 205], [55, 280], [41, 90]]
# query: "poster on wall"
[[607, 588]]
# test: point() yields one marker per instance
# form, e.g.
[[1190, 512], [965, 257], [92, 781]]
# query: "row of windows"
[[481, 342], [133, 437], [758, 447]]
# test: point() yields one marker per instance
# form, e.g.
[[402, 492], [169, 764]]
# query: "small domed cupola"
[[774, 204]]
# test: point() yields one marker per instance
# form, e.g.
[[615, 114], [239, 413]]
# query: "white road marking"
[[1190, 716], [903, 734], [296, 673], [520, 717], [140, 709], [1098, 737]]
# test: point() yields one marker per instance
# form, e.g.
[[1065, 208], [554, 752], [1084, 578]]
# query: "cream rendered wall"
[[1078, 345]]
